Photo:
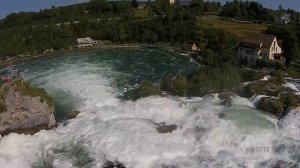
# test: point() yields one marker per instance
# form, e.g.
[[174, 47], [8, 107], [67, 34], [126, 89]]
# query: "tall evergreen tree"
[[134, 3]]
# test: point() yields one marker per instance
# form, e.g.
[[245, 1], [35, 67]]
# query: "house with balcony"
[[259, 46]]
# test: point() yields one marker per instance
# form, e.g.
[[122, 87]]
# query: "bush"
[[166, 83], [248, 75], [230, 78], [180, 85], [277, 77], [293, 73], [2, 101], [147, 88]]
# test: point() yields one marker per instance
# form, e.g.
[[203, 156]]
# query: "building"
[[85, 42], [282, 18], [183, 2], [190, 46], [259, 46]]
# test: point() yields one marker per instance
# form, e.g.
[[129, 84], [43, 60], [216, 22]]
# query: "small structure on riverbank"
[[190, 46], [85, 42]]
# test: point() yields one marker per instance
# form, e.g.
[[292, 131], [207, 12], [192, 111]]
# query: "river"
[[113, 127]]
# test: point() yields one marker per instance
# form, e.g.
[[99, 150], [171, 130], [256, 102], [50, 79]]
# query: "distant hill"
[[31, 33]]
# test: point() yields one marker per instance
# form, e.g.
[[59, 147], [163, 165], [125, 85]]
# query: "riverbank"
[[164, 46]]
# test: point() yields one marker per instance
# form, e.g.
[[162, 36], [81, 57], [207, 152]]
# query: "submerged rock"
[[113, 164], [25, 109], [166, 128], [271, 105], [278, 164], [72, 114], [226, 98]]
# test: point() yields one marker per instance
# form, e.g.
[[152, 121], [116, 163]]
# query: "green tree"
[[147, 88], [197, 7], [134, 3], [210, 59], [290, 49], [166, 83], [180, 85]]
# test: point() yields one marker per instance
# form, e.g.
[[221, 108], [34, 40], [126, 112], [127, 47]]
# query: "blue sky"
[[11, 6], [274, 4]]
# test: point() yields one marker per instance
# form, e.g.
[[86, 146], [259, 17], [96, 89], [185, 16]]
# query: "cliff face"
[[25, 109]]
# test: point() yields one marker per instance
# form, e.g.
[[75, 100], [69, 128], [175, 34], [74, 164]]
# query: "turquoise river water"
[[111, 126]]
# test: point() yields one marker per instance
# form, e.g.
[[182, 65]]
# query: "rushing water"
[[112, 127]]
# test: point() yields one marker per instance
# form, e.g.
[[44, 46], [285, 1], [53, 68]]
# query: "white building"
[[282, 18], [85, 42], [259, 46]]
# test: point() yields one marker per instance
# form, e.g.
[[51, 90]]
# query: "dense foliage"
[[146, 88], [203, 81], [58, 28], [251, 10], [30, 33]]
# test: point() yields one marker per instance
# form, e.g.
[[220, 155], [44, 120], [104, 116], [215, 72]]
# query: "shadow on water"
[[77, 154]]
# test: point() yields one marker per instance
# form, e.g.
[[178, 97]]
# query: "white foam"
[[290, 85], [109, 128]]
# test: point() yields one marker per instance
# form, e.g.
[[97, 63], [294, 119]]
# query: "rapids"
[[112, 127]]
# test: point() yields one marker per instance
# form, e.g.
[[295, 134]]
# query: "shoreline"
[[99, 46]]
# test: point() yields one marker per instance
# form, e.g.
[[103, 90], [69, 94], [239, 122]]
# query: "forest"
[[31, 33]]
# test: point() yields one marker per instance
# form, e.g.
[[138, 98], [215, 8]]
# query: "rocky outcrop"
[[278, 100], [147, 88], [163, 128], [272, 163], [113, 164], [261, 88], [25, 109], [72, 114], [272, 106]]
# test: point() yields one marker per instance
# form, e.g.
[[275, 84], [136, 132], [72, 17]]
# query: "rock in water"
[[226, 98], [115, 164], [272, 106], [268, 88], [72, 114], [162, 128], [25, 109]]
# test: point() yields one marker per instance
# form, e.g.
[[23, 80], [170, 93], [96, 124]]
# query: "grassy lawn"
[[240, 29], [141, 13]]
